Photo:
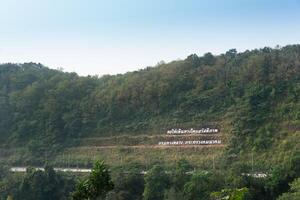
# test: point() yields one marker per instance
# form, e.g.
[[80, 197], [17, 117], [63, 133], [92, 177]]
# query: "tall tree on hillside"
[[96, 186]]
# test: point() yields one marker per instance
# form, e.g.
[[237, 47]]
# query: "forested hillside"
[[52, 117], [257, 94]]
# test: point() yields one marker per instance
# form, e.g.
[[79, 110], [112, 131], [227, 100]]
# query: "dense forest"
[[258, 91], [256, 94]]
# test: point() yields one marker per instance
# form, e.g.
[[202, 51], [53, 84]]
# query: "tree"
[[201, 185], [156, 182], [128, 187], [294, 192], [180, 176], [9, 183], [232, 194], [208, 59], [278, 182], [43, 185], [96, 186]]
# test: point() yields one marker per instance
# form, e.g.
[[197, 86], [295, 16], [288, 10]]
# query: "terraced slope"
[[145, 150]]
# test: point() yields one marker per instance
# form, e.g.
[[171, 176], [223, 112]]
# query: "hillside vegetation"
[[52, 117], [254, 96]]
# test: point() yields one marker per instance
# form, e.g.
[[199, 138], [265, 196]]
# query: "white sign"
[[190, 142], [193, 131]]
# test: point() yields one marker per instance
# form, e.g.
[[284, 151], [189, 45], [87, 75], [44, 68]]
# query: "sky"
[[96, 37]]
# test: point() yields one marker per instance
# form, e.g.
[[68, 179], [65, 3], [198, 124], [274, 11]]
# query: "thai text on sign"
[[192, 131], [190, 142]]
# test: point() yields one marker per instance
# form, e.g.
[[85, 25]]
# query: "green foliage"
[[127, 187], [278, 182], [44, 185], [201, 185], [232, 194], [180, 176], [294, 192], [254, 95], [96, 186], [9, 197], [9, 183], [46, 109], [156, 183]]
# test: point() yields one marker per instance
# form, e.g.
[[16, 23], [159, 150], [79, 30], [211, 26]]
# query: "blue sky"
[[116, 36]]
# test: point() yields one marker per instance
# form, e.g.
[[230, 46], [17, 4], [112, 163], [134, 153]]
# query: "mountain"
[[253, 97]]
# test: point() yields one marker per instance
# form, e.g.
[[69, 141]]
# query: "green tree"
[[278, 182], [201, 185], [232, 194], [293, 193], [156, 183], [96, 186], [44, 185], [128, 187]]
